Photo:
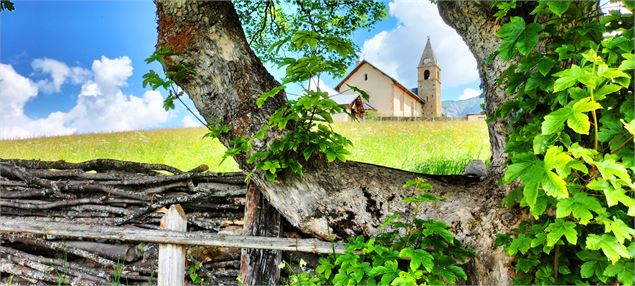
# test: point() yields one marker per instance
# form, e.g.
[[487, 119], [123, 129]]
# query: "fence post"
[[260, 266], [171, 256]]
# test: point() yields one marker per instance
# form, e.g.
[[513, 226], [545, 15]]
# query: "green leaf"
[[581, 206], [609, 246], [555, 158], [621, 231], [601, 93], [628, 63], [561, 228], [545, 65], [529, 38], [609, 169], [418, 257], [525, 264], [510, 33], [554, 186], [585, 105], [558, 7], [520, 244], [554, 122], [623, 270], [266, 95]]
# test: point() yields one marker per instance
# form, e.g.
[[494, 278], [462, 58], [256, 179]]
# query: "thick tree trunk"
[[259, 266], [331, 200]]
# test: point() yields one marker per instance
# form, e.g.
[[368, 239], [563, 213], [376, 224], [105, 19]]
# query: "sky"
[[76, 66]]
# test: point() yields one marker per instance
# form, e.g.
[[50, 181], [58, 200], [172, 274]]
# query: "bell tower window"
[[426, 74]]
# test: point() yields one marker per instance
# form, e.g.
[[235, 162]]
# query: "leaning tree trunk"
[[331, 200]]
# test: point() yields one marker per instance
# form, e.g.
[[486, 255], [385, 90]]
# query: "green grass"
[[441, 147]]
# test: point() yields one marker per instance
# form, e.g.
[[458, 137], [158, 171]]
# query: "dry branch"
[[173, 237]]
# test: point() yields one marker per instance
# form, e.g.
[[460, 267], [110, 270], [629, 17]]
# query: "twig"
[[96, 165]]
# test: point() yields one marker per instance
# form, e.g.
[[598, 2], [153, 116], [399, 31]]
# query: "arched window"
[[426, 74], [365, 76]]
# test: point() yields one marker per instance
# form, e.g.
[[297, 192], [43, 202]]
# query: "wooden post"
[[259, 266], [172, 256]]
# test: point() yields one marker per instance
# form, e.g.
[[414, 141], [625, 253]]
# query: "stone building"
[[390, 98]]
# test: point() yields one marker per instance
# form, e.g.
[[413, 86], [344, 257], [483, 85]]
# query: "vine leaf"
[[620, 229], [581, 206], [561, 228], [418, 258], [517, 36], [623, 270], [575, 116], [558, 7], [609, 246], [613, 195]]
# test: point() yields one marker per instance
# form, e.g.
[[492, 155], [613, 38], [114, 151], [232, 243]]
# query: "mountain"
[[457, 108]]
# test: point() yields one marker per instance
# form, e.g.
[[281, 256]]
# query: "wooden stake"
[[260, 266], [172, 256]]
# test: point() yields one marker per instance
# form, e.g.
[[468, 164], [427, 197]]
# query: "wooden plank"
[[260, 266], [22, 226], [172, 256]]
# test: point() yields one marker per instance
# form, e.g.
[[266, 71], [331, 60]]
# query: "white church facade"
[[388, 97]]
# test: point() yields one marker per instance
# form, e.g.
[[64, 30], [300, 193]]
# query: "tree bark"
[[260, 266], [330, 201]]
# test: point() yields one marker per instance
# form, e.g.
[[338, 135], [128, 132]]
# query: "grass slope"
[[427, 147]]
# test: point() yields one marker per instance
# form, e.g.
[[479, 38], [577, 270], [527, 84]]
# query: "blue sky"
[[76, 67]]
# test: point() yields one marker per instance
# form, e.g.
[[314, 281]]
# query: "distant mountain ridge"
[[458, 108]]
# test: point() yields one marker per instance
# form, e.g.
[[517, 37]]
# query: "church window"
[[426, 74], [365, 76]]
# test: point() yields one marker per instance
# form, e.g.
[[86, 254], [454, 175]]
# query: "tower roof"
[[429, 54]]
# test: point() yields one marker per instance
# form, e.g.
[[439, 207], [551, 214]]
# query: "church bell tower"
[[429, 83]]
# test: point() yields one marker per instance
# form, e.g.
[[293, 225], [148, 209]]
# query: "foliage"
[[6, 5], [407, 251], [312, 36], [570, 141]]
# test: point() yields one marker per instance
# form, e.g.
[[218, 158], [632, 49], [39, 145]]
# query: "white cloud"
[[397, 51], [101, 105], [59, 73], [469, 93], [15, 92], [188, 121]]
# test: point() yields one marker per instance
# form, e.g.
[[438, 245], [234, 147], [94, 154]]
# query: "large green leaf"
[[554, 122], [554, 185], [621, 231], [623, 270], [558, 7], [609, 245], [581, 206], [561, 228]]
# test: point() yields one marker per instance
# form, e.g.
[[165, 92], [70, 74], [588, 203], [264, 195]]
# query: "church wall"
[[378, 86]]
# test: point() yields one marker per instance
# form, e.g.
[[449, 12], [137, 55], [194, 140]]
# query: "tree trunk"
[[330, 201], [260, 266]]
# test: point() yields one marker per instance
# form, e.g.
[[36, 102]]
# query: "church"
[[387, 96]]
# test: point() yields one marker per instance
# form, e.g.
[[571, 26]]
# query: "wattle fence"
[[115, 222]]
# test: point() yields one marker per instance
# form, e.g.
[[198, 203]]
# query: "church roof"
[[395, 82], [344, 98], [428, 53]]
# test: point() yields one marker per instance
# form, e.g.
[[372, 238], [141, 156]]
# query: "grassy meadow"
[[441, 147]]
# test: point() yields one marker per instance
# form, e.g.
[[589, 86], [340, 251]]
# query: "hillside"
[[457, 108]]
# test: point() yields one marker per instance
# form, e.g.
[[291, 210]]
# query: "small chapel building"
[[390, 98]]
